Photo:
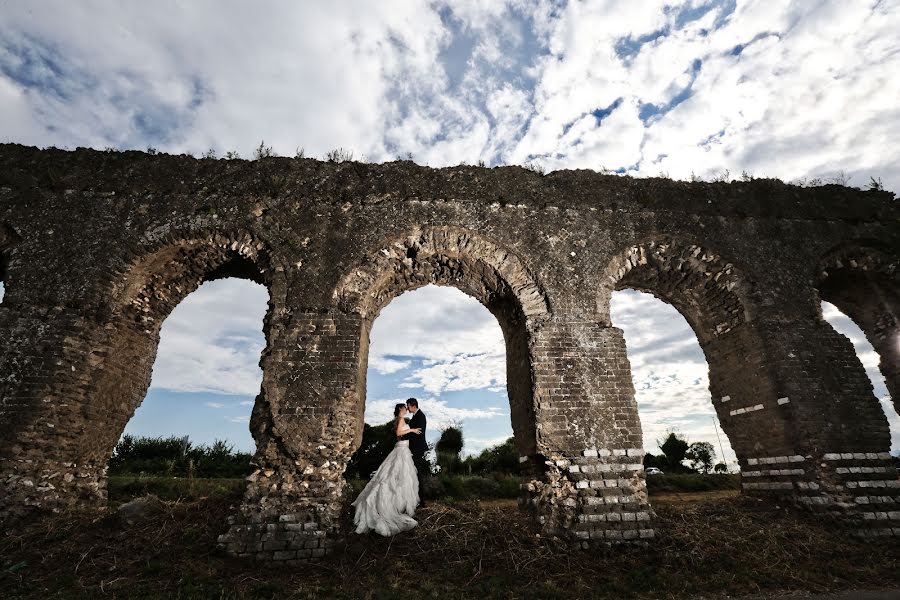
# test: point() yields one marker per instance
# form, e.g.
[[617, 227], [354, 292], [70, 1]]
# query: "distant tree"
[[502, 458], [339, 155], [263, 151], [702, 456], [675, 448], [377, 443], [177, 457], [448, 448], [721, 468]]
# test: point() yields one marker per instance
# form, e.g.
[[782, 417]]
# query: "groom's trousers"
[[423, 472]]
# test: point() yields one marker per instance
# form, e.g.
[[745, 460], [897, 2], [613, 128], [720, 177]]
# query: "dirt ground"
[[709, 545]]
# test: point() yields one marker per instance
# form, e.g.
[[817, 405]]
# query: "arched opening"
[[493, 276], [711, 295], [863, 283], [444, 348], [671, 381], [869, 358], [149, 292], [191, 434]]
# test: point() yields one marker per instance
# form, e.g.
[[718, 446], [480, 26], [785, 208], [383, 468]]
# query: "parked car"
[[653, 471]]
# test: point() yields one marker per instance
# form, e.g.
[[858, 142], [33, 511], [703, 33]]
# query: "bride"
[[388, 501]]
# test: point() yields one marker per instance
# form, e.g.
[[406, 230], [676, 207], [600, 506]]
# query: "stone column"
[[43, 419], [754, 412], [841, 463], [589, 436], [306, 428]]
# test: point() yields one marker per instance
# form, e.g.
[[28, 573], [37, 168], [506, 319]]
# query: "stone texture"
[[97, 248]]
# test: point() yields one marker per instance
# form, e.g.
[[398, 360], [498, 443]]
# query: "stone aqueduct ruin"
[[99, 247]]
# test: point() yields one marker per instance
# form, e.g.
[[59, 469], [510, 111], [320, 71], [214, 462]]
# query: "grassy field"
[[709, 544], [123, 488]]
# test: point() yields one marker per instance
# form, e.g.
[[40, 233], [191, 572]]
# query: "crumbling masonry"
[[97, 248]]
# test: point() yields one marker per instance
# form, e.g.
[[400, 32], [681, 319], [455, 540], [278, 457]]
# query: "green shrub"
[[472, 487], [177, 457], [122, 488], [502, 458]]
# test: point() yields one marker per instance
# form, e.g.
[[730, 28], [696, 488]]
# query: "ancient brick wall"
[[99, 247]]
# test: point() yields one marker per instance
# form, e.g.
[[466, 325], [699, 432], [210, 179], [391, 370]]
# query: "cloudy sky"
[[793, 89]]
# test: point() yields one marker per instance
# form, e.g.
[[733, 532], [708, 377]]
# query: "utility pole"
[[721, 449]]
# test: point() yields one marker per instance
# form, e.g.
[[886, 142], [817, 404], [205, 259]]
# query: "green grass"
[[692, 482], [122, 488], [737, 546]]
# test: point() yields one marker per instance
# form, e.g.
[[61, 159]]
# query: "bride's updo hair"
[[397, 408]]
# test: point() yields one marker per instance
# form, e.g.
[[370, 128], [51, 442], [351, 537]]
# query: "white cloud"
[[439, 413], [787, 89], [241, 419], [478, 371], [211, 342], [670, 373], [782, 87], [386, 366], [476, 445], [215, 405], [458, 342]]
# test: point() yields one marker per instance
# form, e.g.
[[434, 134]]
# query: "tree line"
[[177, 457], [446, 453], [700, 456]]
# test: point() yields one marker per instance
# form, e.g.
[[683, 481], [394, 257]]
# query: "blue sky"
[[783, 88]]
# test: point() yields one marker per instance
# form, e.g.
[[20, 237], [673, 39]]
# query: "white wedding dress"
[[389, 500]]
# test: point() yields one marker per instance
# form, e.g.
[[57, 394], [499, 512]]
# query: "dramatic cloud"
[[212, 341], [783, 88], [458, 341], [439, 413], [780, 88], [670, 373]]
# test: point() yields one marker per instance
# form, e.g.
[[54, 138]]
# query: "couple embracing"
[[387, 503]]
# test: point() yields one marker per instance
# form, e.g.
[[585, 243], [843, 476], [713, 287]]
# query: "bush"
[[122, 488], [471, 487], [177, 457], [377, 443], [502, 458], [448, 448]]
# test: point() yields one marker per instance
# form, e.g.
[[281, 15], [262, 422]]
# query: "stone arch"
[[143, 294], [474, 264], [862, 279], [709, 290], [715, 296]]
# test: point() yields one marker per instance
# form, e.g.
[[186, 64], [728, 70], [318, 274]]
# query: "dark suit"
[[418, 446]]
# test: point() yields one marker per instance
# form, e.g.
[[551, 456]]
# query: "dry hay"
[[736, 546]]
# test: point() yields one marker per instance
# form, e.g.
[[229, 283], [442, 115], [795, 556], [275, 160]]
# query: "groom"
[[418, 446]]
